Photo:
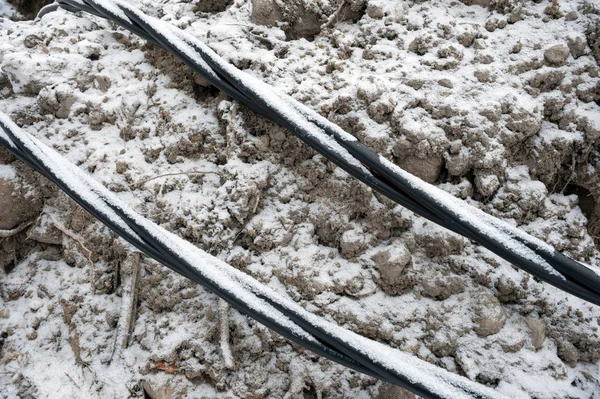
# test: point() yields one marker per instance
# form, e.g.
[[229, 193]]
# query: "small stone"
[[567, 352], [553, 11], [547, 81], [420, 45], [512, 346], [427, 169], [374, 10], [484, 76], [263, 143], [352, 243], [556, 55], [571, 16], [391, 262], [442, 288], [381, 109], [480, 44], [466, 38], [31, 41], [577, 46], [102, 82], [389, 391], [491, 24], [514, 16], [486, 184], [446, 83], [89, 49], [489, 315], [516, 49], [537, 329]]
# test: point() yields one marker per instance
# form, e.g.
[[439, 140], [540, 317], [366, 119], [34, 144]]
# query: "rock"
[[522, 124], [19, 200], [446, 83], [352, 243], [546, 81], [489, 315], [553, 11], [390, 10], [577, 46], [494, 23], [466, 38], [392, 262], [529, 194], [31, 41], [512, 345], [443, 344], [102, 82], [389, 391], [556, 55], [381, 109], [571, 16], [537, 329], [514, 16], [375, 10], [567, 352], [480, 44], [442, 288], [266, 12], [484, 76], [506, 6], [56, 100], [420, 45], [89, 50], [486, 184], [427, 169]]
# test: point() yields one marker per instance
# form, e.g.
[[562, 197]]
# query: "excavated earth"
[[496, 102]]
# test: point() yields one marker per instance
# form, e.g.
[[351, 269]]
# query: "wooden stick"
[[224, 330]]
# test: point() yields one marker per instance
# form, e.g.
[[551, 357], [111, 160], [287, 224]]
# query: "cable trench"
[[248, 295]]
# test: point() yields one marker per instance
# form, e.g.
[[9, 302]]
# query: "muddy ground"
[[496, 102]]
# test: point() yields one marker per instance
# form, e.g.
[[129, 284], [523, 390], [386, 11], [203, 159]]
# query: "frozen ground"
[[498, 106]]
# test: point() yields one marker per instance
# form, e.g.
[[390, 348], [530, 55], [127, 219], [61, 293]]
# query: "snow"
[[301, 205]]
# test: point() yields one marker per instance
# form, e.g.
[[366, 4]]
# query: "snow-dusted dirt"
[[496, 102]]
